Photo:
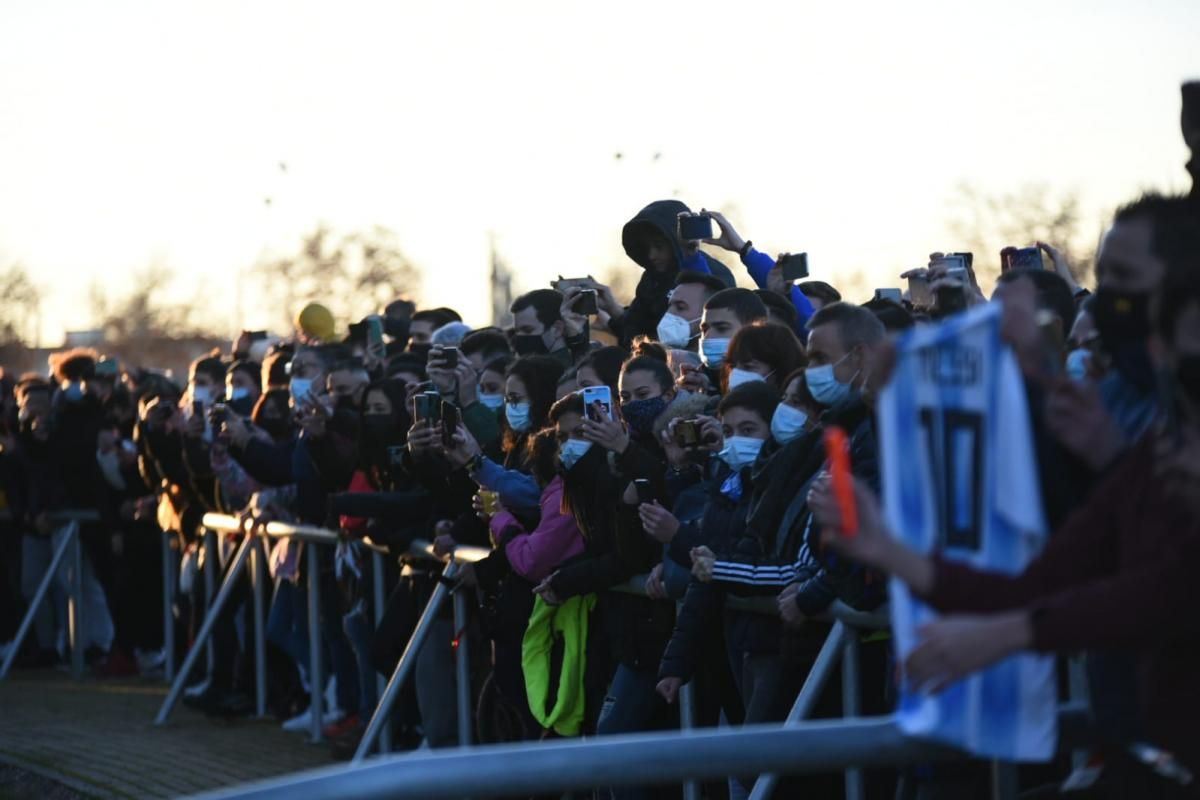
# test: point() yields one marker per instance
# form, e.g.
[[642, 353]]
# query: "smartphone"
[[687, 434], [218, 415], [1053, 344], [256, 336], [449, 423], [695, 227], [450, 357], [585, 303], [601, 395], [375, 344], [566, 284], [919, 293], [1020, 258], [198, 408], [895, 295], [645, 494], [794, 266], [427, 407], [954, 261]]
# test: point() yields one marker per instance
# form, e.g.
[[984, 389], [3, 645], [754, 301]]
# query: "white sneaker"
[[150, 660], [197, 690], [331, 693], [303, 722]]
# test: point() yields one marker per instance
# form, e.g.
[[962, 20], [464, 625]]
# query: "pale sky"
[[139, 132]]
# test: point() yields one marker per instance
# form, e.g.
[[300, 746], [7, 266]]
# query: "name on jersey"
[[951, 366]]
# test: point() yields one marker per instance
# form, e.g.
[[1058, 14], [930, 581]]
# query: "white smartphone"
[[597, 394]]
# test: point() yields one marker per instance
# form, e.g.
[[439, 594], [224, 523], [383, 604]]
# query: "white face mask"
[[674, 330], [824, 386], [712, 352], [787, 423], [572, 450], [518, 416], [202, 394], [299, 388], [739, 376], [493, 401], [740, 451], [1078, 362]]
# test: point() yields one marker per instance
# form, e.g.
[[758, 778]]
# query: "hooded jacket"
[[650, 299]]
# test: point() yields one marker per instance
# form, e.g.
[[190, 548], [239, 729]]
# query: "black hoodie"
[[650, 300]]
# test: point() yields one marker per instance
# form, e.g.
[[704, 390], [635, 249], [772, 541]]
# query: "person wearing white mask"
[[725, 313], [679, 328], [841, 340], [762, 352], [1085, 356]]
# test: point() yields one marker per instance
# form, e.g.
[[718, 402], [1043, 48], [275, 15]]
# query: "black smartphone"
[[794, 266], [950, 300], [644, 493], [695, 227], [1020, 258], [449, 423], [427, 407], [450, 356], [585, 303], [895, 295], [218, 415], [687, 434]]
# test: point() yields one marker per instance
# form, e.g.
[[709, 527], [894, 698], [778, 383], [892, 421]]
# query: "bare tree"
[[986, 223], [20, 302], [354, 274]]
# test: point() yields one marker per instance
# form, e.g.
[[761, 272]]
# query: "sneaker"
[[345, 725], [303, 722], [197, 689], [149, 660]]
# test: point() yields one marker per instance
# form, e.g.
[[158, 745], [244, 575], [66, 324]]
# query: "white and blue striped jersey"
[[960, 477]]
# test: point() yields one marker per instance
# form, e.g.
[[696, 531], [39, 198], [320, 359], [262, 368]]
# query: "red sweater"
[[1122, 572]]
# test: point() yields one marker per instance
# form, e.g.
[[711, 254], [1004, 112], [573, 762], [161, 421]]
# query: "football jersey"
[[959, 477]]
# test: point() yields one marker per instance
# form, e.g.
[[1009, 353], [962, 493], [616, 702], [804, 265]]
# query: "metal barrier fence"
[[628, 760], [69, 549]]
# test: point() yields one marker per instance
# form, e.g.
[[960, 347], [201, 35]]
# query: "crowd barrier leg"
[[408, 661], [462, 668], [168, 568], [379, 577], [75, 602], [35, 603], [1077, 692], [687, 721], [814, 684], [258, 574], [316, 679], [1005, 785], [852, 707], [212, 568], [204, 635]]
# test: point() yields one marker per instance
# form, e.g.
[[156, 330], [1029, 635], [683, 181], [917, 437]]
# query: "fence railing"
[[67, 548]]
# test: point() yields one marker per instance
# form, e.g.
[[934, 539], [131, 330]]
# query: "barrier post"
[[852, 707], [687, 721], [462, 668], [35, 603], [168, 578], [75, 603], [212, 567], [258, 576], [406, 664], [205, 632], [378, 567], [317, 682]]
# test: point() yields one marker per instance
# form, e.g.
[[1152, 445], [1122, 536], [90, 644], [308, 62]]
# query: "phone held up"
[[585, 303], [794, 266], [597, 402], [695, 227], [895, 295], [450, 419]]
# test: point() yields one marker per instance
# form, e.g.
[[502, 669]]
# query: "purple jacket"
[[534, 554]]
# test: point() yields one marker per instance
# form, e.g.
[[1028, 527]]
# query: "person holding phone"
[[759, 265]]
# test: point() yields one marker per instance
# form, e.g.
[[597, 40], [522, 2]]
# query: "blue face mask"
[[640, 414], [824, 386], [740, 451], [493, 401], [570, 451], [299, 388], [739, 376], [1078, 361], [518, 416], [239, 393], [74, 392], [787, 423], [712, 351]]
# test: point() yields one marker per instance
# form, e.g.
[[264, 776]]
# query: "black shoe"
[[206, 702], [232, 704]]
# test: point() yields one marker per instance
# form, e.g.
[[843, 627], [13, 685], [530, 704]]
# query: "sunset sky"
[[134, 133]]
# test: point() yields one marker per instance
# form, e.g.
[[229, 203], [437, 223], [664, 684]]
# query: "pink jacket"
[[534, 555]]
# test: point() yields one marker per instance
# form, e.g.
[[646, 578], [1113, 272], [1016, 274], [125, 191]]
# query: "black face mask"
[[346, 403], [1123, 322], [530, 344], [242, 406], [380, 429], [421, 350]]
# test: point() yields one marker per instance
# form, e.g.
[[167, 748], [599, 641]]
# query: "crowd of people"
[[678, 437]]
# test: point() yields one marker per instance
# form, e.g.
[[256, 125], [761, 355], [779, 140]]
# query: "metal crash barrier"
[[68, 548], [628, 760]]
